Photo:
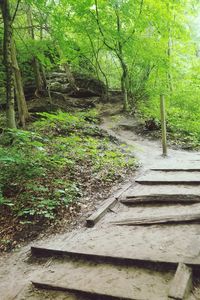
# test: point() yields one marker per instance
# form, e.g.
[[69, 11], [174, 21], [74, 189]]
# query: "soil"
[[17, 269]]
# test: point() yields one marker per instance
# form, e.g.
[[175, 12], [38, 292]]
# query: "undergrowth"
[[42, 170], [183, 115]]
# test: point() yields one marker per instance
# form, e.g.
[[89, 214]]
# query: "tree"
[[7, 56], [19, 90], [35, 62]]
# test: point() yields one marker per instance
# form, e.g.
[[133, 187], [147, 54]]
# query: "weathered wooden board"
[[148, 262], [105, 280], [109, 203], [181, 284], [66, 288], [161, 198], [97, 215], [151, 220], [152, 177], [177, 169]]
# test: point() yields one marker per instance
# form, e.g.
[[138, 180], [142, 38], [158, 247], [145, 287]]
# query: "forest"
[[60, 61]]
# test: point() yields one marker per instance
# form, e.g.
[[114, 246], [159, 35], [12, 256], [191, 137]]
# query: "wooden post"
[[163, 125]]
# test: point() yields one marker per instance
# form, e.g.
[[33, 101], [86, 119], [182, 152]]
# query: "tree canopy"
[[143, 47]]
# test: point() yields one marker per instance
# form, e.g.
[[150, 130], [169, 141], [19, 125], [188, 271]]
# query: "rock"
[[60, 87], [87, 86], [55, 95], [81, 102], [115, 96], [54, 75], [152, 125], [29, 90], [62, 102], [85, 82], [41, 105], [54, 86], [82, 93]]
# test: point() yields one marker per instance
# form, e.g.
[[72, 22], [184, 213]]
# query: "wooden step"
[[176, 169], [84, 292], [184, 178], [164, 219], [161, 198], [148, 262], [105, 280]]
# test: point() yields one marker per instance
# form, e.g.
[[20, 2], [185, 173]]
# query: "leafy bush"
[[183, 115]]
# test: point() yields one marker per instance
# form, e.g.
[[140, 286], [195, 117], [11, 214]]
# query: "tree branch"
[[100, 29], [16, 9]]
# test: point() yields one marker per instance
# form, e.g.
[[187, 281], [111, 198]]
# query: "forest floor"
[[17, 268]]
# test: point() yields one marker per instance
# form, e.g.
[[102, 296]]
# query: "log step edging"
[[167, 182], [107, 204], [161, 198], [164, 219], [181, 284], [175, 169]]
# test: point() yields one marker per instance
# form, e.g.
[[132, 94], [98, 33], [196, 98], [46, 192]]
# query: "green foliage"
[[38, 167], [183, 115]]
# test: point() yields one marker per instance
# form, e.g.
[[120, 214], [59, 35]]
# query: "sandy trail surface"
[[160, 242]]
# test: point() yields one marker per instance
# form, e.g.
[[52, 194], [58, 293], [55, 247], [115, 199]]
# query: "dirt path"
[[122, 280], [148, 152]]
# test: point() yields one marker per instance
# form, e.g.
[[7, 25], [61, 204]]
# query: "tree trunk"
[[124, 86], [169, 51], [38, 77], [98, 66], [124, 77], [169, 74], [19, 91], [10, 103], [36, 65]]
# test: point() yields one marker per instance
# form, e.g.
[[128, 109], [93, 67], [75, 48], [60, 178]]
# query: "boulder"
[[60, 87], [91, 84]]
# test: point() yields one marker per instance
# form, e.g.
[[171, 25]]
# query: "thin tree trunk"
[[169, 53], [124, 77], [124, 85], [19, 90], [10, 103], [36, 65], [118, 51], [98, 66]]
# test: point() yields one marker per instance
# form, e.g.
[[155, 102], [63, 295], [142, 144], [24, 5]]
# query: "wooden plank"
[[109, 203], [168, 169], [182, 283], [167, 181], [164, 219], [147, 262], [55, 287], [97, 215], [161, 198], [187, 178]]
